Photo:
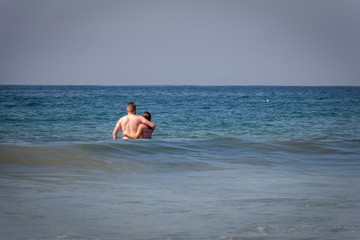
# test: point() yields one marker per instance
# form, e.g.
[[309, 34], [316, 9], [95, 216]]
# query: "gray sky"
[[197, 42]]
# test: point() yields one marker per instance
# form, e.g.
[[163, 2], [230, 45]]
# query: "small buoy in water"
[[267, 100]]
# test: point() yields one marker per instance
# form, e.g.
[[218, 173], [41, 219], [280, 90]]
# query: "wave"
[[181, 154], [129, 156]]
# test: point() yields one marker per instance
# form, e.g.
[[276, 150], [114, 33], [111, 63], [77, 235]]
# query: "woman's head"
[[147, 115]]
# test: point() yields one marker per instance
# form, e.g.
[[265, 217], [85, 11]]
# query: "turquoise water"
[[223, 163]]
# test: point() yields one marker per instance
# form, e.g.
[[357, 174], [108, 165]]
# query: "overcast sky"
[[196, 42]]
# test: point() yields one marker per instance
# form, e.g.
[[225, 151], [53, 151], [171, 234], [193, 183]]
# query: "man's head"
[[131, 108]]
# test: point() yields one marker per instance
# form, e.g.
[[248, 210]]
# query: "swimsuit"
[[147, 133]]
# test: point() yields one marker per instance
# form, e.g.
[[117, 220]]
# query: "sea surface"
[[224, 163]]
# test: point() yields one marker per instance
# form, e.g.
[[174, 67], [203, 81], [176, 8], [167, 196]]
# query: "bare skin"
[[140, 130], [129, 125]]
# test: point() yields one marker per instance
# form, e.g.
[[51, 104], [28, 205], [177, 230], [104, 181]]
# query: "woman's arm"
[[137, 134]]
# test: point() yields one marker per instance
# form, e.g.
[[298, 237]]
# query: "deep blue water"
[[223, 163], [70, 113]]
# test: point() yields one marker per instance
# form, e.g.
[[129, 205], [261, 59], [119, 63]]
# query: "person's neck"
[[130, 113]]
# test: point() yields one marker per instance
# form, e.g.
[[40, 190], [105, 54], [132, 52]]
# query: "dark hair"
[[147, 115]]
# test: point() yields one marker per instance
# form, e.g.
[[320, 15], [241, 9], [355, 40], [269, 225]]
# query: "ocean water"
[[223, 163]]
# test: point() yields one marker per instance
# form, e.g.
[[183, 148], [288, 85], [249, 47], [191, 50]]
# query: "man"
[[130, 123]]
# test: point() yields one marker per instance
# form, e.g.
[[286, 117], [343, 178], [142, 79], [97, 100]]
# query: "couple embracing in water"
[[134, 126]]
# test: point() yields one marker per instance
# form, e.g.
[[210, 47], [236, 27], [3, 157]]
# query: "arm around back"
[[137, 134], [148, 123]]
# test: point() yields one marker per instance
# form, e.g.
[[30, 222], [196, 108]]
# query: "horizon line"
[[172, 85]]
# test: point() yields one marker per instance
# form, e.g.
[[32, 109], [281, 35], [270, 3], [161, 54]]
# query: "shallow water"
[[223, 163]]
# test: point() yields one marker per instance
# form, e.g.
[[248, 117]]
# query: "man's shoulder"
[[123, 118], [139, 117], [136, 117]]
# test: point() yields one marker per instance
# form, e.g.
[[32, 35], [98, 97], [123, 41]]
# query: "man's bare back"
[[130, 123]]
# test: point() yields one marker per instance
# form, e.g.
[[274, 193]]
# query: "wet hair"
[[147, 115], [131, 107]]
